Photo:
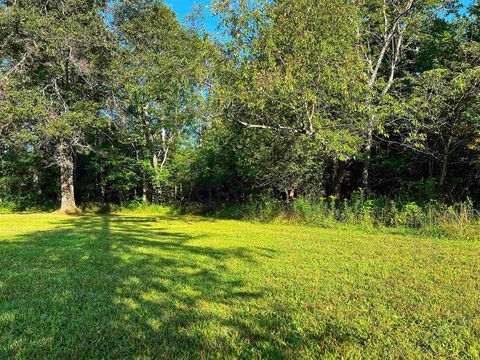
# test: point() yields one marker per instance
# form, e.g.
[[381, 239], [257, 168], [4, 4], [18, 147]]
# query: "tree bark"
[[36, 182], [67, 190], [144, 181], [338, 176], [443, 173], [144, 189], [368, 155], [154, 158], [150, 138]]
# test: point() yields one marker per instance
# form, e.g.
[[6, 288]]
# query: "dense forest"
[[117, 102]]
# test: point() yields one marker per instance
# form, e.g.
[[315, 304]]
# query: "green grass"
[[149, 286]]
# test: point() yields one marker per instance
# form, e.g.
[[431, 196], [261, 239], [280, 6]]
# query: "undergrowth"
[[456, 221]]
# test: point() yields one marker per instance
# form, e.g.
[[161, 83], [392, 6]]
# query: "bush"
[[26, 203], [411, 216], [7, 206]]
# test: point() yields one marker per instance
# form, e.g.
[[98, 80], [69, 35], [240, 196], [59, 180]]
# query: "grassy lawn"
[[149, 286]]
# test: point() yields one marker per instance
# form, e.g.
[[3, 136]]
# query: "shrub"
[[7, 206], [411, 216]]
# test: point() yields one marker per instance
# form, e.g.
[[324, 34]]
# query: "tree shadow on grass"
[[111, 287], [89, 291]]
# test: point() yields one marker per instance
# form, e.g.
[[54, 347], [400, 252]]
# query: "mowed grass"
[[152, 286]]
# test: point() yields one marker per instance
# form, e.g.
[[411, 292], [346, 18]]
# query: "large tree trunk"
[[65, 161], [150, 139], [144, 182]]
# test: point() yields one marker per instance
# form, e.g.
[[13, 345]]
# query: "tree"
[[443, 108], [159, 81], [387, 31], [293, 68], [54, 56]]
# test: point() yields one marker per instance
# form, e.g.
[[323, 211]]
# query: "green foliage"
[[460, 221], [281, 121], [299, 100], [157, 83]]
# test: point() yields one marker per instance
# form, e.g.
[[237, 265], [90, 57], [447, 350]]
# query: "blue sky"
[[185, 7], [464, 2]]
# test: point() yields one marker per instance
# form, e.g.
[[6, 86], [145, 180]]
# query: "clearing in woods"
[[145, 286]]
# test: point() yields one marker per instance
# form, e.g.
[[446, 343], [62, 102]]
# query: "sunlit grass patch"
[[151, 286]]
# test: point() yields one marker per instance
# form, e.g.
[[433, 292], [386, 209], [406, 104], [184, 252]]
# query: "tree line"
[[119, 101]]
